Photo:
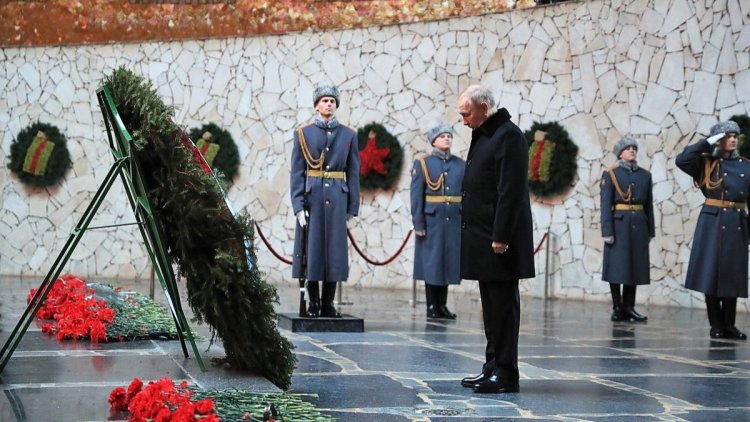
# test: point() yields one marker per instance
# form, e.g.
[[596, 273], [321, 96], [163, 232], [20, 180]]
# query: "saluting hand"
[[716, 138]]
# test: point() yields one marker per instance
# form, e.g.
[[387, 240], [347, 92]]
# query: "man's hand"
[[716, 138], [301, 218], [609, 240], [499, 247], [420, 233]]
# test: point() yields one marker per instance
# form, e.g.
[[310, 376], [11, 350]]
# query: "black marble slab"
[[345, 324]]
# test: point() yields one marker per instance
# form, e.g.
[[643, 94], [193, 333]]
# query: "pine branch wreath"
[[219, 150], [552, 159], [203, 237], [743, 121], [39, 155], [381, 158]]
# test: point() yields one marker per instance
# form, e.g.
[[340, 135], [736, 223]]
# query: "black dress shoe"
[[470, 382], [716, 333], [495, 384], [616, 313], [633, 316], [733, 332], [446, 313]]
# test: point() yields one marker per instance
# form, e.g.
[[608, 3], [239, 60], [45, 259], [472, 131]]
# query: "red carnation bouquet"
[[161, 401], [76, 312]]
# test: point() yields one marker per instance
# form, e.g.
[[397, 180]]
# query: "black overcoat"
[[626, 261], [496, 203], [718, 258]]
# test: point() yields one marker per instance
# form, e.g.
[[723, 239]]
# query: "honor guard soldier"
[[436, 214], [718, 259], [324, 190], [627, 227]]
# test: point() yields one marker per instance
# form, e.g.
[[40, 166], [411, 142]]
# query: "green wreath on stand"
[[219, 150], [381, 157], [552, 159], [743, 121], [39, 155]]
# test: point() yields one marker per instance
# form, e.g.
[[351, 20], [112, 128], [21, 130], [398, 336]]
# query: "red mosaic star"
[[371, 157]]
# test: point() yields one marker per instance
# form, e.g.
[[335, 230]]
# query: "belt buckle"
[[325, 175]]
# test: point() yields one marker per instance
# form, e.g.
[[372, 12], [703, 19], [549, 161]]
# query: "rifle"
[[303, 273]]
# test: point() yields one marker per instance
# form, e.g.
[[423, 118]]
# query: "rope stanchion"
[[541, 242], [373, 262], [270, 248]]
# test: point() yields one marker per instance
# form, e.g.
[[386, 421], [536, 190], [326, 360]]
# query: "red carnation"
[[118, 398]]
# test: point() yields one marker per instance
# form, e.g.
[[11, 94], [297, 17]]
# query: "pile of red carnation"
[[160, 401], [75, 311]]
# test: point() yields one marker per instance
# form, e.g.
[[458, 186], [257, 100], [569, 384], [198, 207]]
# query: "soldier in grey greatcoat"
[[436, 215], [324, 187], [718, 259], [627, 227], [496, 232]]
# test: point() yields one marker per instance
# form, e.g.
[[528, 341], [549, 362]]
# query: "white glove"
[[420, 233], [716, 138], [301, 218], [609, 240]]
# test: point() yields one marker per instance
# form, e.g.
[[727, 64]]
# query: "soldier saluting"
[[718, 259]]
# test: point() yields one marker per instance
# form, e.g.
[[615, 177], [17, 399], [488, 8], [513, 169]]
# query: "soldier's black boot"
[[443, 300], [616, 302], [313, 299], [628, 305], [329, 294], [715, 316], [729, 308], [431, 296]]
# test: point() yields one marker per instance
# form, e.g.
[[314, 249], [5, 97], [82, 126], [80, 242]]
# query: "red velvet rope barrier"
[[387, 261], [270, 248], [541, 242], [359, 251]]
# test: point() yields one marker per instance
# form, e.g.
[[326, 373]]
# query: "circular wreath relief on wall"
[[39, 155], [381, 157], [218, 149], [744, 123], [552, 159]]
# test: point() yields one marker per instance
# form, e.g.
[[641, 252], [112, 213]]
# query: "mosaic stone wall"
[[660, 70]]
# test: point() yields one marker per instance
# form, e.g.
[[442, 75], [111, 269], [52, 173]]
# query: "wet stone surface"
[[575, 365]]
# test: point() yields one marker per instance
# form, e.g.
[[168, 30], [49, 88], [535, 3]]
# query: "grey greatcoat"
[[496, 203], [328, 201], [437, 255], [626, 261], [718, 259]]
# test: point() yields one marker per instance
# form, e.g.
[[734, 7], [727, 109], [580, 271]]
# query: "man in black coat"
[[496, 236]]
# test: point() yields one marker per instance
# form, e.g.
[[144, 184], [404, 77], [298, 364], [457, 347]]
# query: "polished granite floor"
[[575, 365]]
